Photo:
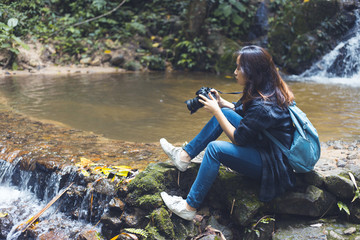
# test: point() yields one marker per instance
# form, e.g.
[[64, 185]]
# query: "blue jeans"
[[243, 159]]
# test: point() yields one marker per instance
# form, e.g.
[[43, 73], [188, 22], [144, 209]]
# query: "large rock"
[[314, 202], [339, 185]]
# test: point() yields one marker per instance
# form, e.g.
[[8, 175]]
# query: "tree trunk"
[[196, 17]]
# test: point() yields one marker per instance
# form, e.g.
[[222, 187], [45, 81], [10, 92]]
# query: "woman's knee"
[[212, 150]]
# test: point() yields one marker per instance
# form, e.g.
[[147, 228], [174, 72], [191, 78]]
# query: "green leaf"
[[21, 43], [237, 19], [227, 10], [6, 45], [14, 50], [12, 22], [240, 6], [343, 206]]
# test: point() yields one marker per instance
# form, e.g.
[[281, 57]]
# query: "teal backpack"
[[305, 148]]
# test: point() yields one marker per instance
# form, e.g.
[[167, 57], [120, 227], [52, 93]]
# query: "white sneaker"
[[198, 159], [178, 206], [174, 155]]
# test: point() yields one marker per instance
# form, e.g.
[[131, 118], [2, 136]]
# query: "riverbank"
[[58, 146], [62, 70]]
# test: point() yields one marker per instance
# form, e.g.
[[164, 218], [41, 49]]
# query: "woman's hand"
[[211, 104], [222, 102]]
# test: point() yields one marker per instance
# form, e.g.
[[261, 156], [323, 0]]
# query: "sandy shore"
[[59, 70]]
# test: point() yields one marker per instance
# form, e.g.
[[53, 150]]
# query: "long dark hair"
[[262, 78]]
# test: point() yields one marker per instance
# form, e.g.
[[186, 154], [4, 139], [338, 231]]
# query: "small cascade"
[[342, 64], [24, 193]]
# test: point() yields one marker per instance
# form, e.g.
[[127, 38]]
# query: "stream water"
[[145, 107], [20, 203]]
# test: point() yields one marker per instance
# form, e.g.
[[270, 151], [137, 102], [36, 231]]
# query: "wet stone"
[[336, 236], [352, 156], [116, 205], [339, 186], [5, 226], [111, 222], [314, 202], [350, 231], [341, 163], [136, 218], [88, 235]]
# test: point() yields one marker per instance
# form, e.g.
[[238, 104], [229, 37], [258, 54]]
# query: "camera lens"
[[193, 104]]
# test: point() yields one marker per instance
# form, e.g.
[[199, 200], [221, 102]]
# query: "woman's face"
[[239, 73]]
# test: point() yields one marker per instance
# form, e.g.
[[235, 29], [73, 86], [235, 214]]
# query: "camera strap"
[[228, 92]]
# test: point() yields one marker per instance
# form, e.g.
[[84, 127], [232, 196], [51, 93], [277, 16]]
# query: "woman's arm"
[[212, 106], [226, 126], [222, 102]]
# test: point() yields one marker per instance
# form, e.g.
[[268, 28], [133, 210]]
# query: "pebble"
[[350, 231], [352, 156], [334, 235], [341, 163]]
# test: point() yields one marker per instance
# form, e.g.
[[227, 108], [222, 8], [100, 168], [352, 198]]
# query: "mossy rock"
[[225, 49], [149, 201], [342, 187], [152, 179], [160, 218], [302, 35], [246, 206], [234, 191], [153, 233], [132, 66], [313, 13]]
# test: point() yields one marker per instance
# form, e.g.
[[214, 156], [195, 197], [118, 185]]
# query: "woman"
[[263, 105]]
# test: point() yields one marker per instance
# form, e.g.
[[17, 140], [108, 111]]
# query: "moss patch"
[[161, 219]]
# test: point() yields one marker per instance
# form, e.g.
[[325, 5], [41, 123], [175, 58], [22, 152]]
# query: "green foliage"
[[357, 190], [55, 22], [193, 55], [233, 17], [153, 62], [9, 41], [343, 206], [140, 232]]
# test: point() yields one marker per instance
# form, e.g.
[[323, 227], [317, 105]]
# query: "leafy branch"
[[91, 19]]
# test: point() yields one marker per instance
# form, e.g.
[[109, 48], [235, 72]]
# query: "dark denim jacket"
[[277, 174]]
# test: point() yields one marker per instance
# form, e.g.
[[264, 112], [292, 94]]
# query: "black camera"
[[193, 104]]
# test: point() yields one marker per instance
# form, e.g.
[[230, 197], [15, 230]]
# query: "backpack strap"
[[297, 126], [296, 122], [277, 142]]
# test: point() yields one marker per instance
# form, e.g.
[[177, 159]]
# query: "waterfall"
[[341, 65], [24, 193]]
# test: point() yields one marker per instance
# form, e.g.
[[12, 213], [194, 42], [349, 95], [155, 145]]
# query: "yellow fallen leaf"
[[155, 45], [106, 171], [122, 167], [3, 214], [122, 173], [107, 51], [116, 237], [305, 1], [228, 76], [152, 37], [85, 173]]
